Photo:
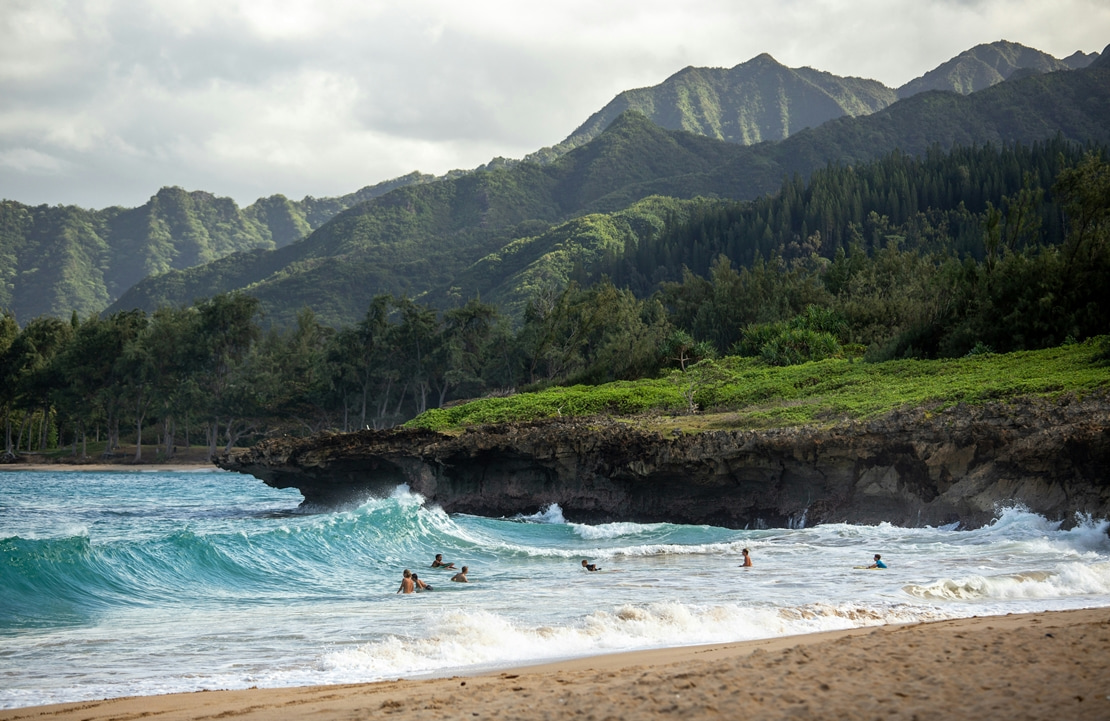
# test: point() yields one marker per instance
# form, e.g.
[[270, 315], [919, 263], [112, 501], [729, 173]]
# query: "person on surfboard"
[[878, 562], [589, 566], [437, 562]]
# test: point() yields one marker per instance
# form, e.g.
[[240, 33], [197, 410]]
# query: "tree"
[[464, 349], [9, 331], [228, 331]]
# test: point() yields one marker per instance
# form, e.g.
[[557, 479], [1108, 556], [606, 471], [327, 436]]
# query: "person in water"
[[461, 575], [747, 558], [407, 585], [589, 566], [438, 562], [419, 585], [878, 562]]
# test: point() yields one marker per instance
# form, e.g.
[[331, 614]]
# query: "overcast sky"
[[102, 102]]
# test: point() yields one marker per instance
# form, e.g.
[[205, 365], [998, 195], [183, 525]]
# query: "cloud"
[[31, 161], [104, 101]]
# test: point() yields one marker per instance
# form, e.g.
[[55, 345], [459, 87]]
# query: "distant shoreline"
[[111, 467], [122, 459]]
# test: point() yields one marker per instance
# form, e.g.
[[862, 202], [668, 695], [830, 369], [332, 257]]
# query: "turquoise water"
[[117, 584]]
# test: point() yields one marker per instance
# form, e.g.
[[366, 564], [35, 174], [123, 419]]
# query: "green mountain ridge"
[[417, 238], [451, 239], [56, 260], [59, 260], [763, 100], [755, 101], [985, 65]]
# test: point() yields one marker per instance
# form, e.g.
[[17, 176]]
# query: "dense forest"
[[972, 251]]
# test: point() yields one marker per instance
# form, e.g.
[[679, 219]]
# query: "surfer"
[[420, 585], [589, 566], [461, 575], [878, 562], [747, 559], [437, 562], [407, 586]]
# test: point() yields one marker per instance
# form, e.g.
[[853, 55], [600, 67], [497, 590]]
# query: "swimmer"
[[461, 575], [420, 585], [747, 559], [878, 562], [407, 586], [438, 562], [589, 566]]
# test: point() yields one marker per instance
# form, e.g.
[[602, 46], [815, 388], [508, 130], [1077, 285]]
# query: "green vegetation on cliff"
[[744, 393]]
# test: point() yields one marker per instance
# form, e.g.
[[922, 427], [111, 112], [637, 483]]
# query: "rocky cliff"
[[912, 467]]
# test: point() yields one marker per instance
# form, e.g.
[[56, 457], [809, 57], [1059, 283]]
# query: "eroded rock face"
[[909, 468]]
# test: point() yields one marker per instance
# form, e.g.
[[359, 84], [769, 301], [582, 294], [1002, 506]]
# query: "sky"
[[103, 102]]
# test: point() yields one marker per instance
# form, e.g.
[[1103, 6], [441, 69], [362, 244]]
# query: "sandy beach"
[[1029, 666]]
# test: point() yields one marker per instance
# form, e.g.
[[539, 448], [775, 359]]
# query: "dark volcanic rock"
[[911, 467]]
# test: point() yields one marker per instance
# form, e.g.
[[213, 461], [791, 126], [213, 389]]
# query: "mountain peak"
[[761, 60], [1103, 60], [981, 67]]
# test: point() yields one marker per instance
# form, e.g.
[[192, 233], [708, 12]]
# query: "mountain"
[[763, 100], [55, 260], [504, 232], [419, 237], [61, 259], [755, 101], [985, 65]]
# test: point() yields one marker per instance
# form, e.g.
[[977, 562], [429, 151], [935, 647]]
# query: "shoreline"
[[1026, 666], [112, 467]]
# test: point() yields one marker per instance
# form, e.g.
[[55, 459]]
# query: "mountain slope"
[[762, 100], [61, 259], [985, 65], [419, 237], [1075, 105], [491, 233], [755, 101]]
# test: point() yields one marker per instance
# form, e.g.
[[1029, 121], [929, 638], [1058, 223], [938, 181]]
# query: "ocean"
[[132, 583]]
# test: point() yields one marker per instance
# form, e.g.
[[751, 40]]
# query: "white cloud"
[[112, 99], [30, 161]]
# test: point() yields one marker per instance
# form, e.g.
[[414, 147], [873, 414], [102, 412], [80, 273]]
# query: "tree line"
[[971, 251]]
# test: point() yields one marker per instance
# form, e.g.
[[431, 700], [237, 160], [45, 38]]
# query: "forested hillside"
[[755, 101], [422, 239], [976, 251], [418, 238], [763, 100], [985, 65], [64, 259]]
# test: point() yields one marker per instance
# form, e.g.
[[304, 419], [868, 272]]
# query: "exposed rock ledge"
[[909, 468]]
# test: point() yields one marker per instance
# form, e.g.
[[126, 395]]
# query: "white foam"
[[481, 638], [606, 531], [1068, 579], [552, 514]]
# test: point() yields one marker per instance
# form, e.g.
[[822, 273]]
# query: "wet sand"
[[1029, 666]]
